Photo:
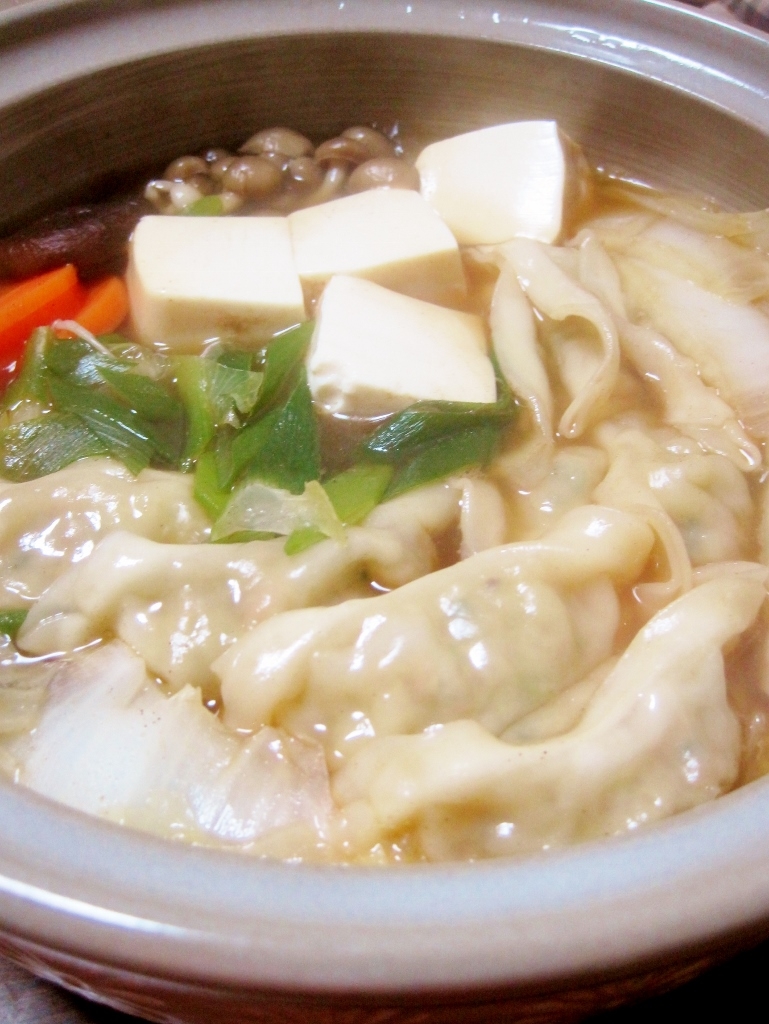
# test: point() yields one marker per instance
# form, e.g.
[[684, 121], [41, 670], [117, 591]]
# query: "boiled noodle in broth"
[[501, 593]]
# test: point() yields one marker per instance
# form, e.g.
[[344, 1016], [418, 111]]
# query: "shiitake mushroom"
[[93, 237]]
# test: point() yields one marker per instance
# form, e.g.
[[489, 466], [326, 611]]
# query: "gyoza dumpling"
[[180, 605], [57, 520], [657, 738], [489, 638]]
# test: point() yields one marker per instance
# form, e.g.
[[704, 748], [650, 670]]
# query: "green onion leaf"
[[282, 358], [192, 381], [357, 491], [427, 422], [207, 491], [212, 392], [301, 539], [11, 621], [232, 387], [206, 206], [257, 507], [450, 455], [45, 445], [125, 434], [282, 448], [235, 358], [144, 395], [245, 537], [30, 384]]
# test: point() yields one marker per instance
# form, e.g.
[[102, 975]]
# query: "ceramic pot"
[[90, 94]]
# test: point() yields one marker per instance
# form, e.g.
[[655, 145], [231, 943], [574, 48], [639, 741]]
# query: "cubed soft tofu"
[[375, 351], [191, 279], [390, 236], [512, 180]]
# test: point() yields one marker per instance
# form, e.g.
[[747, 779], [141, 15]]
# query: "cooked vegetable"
[[208, 492], [11, 621], [213, 393], [430, 440], [357, 491], [30, 381], [45, 445], [36, 303], [281, 359], [452, 454], [282, 447], [93, 238], [105, 306], [257, 508], [206, 206]]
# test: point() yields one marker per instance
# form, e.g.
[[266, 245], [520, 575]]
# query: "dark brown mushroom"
[[341, 150], [285, 141], [203, 183], [375, 142], [184, 168], [383, 172], [94, 238], [215, 153], [304, 173], [252, 177], [218, 168]]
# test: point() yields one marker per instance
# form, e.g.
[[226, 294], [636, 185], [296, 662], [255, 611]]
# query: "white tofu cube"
[[512, 180], [375, 351], [390, 236], [191, 279]]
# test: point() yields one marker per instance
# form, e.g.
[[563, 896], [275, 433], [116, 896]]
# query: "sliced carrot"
[[57, 295], [104, 309]]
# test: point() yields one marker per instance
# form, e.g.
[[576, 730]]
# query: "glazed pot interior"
[[103, 132]]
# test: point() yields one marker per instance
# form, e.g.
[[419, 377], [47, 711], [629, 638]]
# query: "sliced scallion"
[[46, 444], [357, 491], [11, 621]]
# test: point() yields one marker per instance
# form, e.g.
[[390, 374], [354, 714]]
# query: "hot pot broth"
[[252, 602]]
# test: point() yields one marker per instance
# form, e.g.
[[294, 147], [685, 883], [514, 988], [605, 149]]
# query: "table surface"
[[733, 988]]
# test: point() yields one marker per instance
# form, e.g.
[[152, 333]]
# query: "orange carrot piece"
[[104, 309], [35, 303]]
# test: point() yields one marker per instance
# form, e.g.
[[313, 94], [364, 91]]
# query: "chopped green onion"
[[46, 444], [235, 358], [206, 488], [427, 422], [452, 454], [144, 395], [232, 387], [212, 392], [282, 358], [11, 621], [192, 381], [302, 539], [257, 507], [125, 434], [245, 537], [431, 440], [282, 448], [357, 491], [206, 206], [30, 384]]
